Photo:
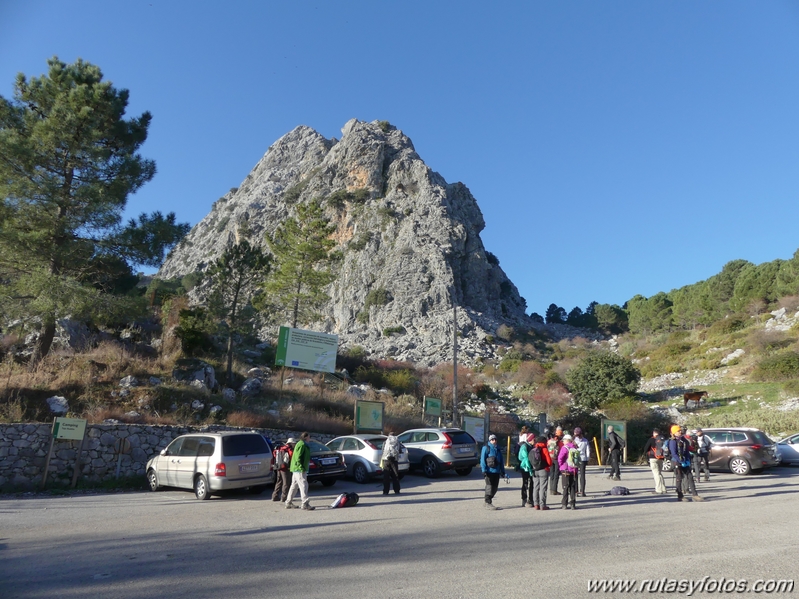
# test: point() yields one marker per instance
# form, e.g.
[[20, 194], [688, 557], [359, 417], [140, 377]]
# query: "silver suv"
[[213, 462], [437, 449]]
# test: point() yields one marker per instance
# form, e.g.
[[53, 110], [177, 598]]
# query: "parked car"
[[741, 450], [363, 454], [788, 450], [326, 466], [212, 462], [435, 450]]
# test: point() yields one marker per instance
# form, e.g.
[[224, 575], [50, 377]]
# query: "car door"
[[186, 462], [170, 458], [350, 447], [789, 449], [719, 453]]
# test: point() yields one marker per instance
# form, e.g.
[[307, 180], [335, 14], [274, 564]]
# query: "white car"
[[209, 463], [363, 454], [788, 450]]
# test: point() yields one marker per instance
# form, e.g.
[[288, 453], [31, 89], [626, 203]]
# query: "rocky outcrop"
[[410, 240]]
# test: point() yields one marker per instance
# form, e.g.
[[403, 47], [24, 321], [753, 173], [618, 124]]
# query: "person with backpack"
[[585, 454], [281, 460], [540, 462], [568, 464], [493, 467], [300, 464], [553, 445], [704, 444], [526, 470], [615, 446], [391, 451], [680, 449], [653, 450]]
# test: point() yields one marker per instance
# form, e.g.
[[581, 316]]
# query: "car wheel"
[[739, 466], [668, 466], [464, 471], [201, 488], [328, 482], [152, 480], [360, 474], [430, 467]]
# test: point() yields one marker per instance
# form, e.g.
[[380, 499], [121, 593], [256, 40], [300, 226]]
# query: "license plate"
[[465, 450], [249, 467], [328, 461]]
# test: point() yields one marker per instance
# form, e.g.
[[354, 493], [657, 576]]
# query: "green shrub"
[[361, 241], [385, 126], [509, 364], [293, 193], [377, 297], [388, 331], [362, 316], [192, 330], [338, 199], [791, 387], [779, 367], [728, 325], [222, 224], [600, 377], [401, 381]]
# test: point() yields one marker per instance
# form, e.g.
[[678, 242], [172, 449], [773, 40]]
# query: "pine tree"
[[68, 161], [304, 262], [239, 268]]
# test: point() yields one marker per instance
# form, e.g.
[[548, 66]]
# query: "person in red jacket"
[[541, 468], [282, 474]]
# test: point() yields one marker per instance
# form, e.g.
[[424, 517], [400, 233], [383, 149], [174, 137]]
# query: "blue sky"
[[614, 148]]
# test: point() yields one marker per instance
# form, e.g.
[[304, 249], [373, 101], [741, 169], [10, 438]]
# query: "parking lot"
[[433, 540]]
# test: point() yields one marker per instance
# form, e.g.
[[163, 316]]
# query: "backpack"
[[345, 500], [523, 456], [683, 456], [573, 459], [659, 451], [282, 459], [620, 491], [536, 458]]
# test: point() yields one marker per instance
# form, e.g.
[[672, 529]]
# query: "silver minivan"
[[209, 463]]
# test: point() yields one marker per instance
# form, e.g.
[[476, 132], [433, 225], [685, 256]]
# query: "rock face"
[[409, 239]]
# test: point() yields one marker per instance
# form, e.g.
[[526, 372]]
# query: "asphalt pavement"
[[435, 539]]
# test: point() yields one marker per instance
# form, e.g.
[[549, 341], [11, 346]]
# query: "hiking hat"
[[675, 429], [492, 437], [567, 437], [291, 441]]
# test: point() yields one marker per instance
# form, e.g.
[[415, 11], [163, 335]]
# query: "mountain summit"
[[410, 240]]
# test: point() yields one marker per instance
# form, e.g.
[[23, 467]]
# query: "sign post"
[[121, 446], [73, 429], [432, 407], [368, 416], [475, 427], [620, 428]]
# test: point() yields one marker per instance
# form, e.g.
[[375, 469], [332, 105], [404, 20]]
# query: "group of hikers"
[[553, 457]]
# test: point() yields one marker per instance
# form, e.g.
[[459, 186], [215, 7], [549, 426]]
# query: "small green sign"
[[619, 427], [69, 428], [369, 416], [432, 406]]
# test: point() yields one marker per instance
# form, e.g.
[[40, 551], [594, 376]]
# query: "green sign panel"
[[432, 406], [369, 416], [309, 350], [69, 428], [619, 427]]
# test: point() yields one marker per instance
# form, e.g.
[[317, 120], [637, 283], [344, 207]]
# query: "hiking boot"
[[617, 478], [543, 507], [696, 498], [307, 507], [490, 506], [583, 495], [574, 507], [291, 506], [528, 504], [536, 507]]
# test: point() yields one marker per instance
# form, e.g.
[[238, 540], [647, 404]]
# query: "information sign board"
[[308, 350]]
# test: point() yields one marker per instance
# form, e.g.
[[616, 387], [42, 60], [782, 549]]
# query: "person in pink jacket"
[[568, 462]]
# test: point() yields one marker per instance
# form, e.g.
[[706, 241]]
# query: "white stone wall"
[[23, 451]]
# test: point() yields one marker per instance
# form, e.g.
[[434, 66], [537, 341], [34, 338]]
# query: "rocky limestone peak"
[[410, 240]]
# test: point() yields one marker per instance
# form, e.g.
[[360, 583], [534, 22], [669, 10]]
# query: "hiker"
[[568, 463], [527, 472], [493, 467], [553, 445], [391, 451], [703, 444], [300, 464], [679, 447], [541, 463], [523, 434], [281, 460], [653, 450], [615, 445], [585, 454]]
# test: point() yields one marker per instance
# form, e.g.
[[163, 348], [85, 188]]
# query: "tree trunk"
[[43, 344]]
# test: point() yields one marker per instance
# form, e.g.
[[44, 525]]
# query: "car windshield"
[[235, 445], [459, 437], [315, 446]]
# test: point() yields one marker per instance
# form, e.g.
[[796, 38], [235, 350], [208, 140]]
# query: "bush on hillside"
[[600, 377], [779, 367]]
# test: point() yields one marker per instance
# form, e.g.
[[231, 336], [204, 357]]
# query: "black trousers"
[[615, 458], [390, 475], [554, 476], [684, 474], [581, 476], [569, 489], [492, 484], [527, 487]]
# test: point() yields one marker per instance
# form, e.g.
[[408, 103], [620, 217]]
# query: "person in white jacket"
[[585, 454]]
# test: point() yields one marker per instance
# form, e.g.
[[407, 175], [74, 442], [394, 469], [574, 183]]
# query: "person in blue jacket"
[[493, 467]]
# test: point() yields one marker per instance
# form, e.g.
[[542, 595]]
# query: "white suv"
[[437, 449], [213, 462]]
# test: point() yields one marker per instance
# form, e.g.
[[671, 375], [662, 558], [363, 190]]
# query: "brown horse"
[[694, 396]]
